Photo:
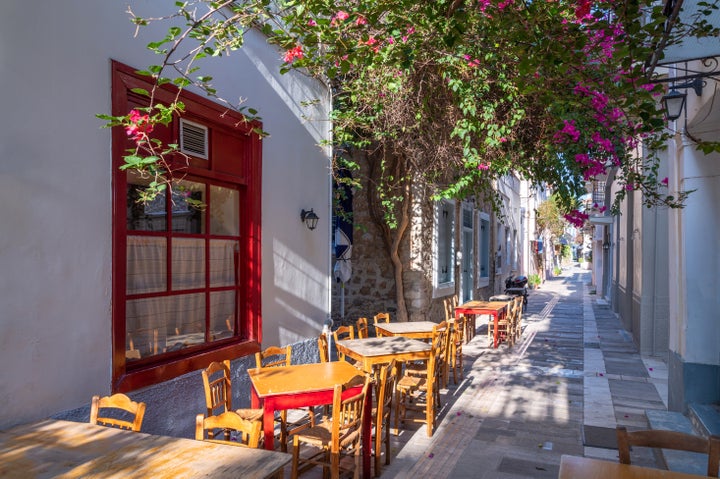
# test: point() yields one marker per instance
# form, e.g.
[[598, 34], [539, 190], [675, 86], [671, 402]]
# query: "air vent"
[[193, 139]]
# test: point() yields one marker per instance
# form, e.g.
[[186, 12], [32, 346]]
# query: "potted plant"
[[534, 280]]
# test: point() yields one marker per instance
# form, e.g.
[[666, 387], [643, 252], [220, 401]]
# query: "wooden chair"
[[362, 328], [336, 437], [323, 348], [449, 304], [218, 393], [127, 414], [249, 433], [343, 332], [380, 318], [422, 392], [504, 325], [421, 369], [456, 346], [386, 380], [663, 439], [274, 356]]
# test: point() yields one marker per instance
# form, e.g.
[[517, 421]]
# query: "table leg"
[[496, 319], [269, 425], [367, 437]]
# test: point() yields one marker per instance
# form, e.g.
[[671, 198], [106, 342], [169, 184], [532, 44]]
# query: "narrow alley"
[[562, 389]]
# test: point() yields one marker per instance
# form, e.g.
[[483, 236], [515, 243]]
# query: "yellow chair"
[[323, 348], [249, 432], [274, 356], [382, 411], [218, 393], [362, 328], [343, 332], [127, 414], [663, 439], [422, 392], [335, 437], [455, 358]]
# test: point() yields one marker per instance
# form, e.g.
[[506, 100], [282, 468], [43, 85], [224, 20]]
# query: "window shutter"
[[193, 139]]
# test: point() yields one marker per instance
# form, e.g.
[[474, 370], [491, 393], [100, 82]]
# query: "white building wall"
[[55, 188]]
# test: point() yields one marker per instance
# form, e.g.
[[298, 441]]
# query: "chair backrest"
[[347, 414], [385, 391], [343, 332], [449, 305], [381, 317], [249, 432], [273, 356], [439, 351], [459, 329], [663, 439], [218, 390], [126, 414], [362, 328], [323, 348]]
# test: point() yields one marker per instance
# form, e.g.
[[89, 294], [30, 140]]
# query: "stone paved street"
[[572, 378]]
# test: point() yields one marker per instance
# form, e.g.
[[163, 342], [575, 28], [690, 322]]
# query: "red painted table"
[[492, 308], [301, 385]]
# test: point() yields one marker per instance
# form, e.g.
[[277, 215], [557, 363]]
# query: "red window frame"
[[237, 162]]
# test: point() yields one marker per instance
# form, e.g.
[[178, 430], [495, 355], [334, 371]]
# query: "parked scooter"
[[517, 286]]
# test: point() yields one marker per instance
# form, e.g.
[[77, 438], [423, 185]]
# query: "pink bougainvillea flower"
[[576, 218], [341, 15], [484, 166], [665, 181], [294, 54], [360, 21], [139, 126], [568, 130], [312, 23]]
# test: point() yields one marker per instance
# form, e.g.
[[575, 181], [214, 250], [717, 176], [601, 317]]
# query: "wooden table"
[[493, 308], [52, 448], [301, 385], [372, 351], [574, 467], [409, 329], [382, 350]]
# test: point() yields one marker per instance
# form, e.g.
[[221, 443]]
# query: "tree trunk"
[[379, 189]]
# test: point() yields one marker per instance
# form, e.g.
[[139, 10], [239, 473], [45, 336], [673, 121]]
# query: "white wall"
[[55, 192]]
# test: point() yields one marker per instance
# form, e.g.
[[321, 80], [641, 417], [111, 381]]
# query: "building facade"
[[101, 293]]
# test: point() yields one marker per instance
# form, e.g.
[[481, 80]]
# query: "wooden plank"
[[54, 448]]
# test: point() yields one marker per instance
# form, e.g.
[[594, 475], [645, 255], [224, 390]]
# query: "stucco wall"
[[55, 187]]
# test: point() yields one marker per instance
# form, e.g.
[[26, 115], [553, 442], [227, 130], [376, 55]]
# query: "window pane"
[[158, 325], [484, 248], [445, 244], [224, 215], [143, 215], [146, 264], [187, 216], [222, 314], [188, 263], [223, 262]]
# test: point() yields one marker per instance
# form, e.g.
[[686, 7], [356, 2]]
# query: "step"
[[682, 461], [705, 418]]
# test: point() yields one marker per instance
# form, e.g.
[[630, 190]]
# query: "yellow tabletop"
[[409, 329], [574, 467], [53, 448], [382, 350], [301, 378]]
